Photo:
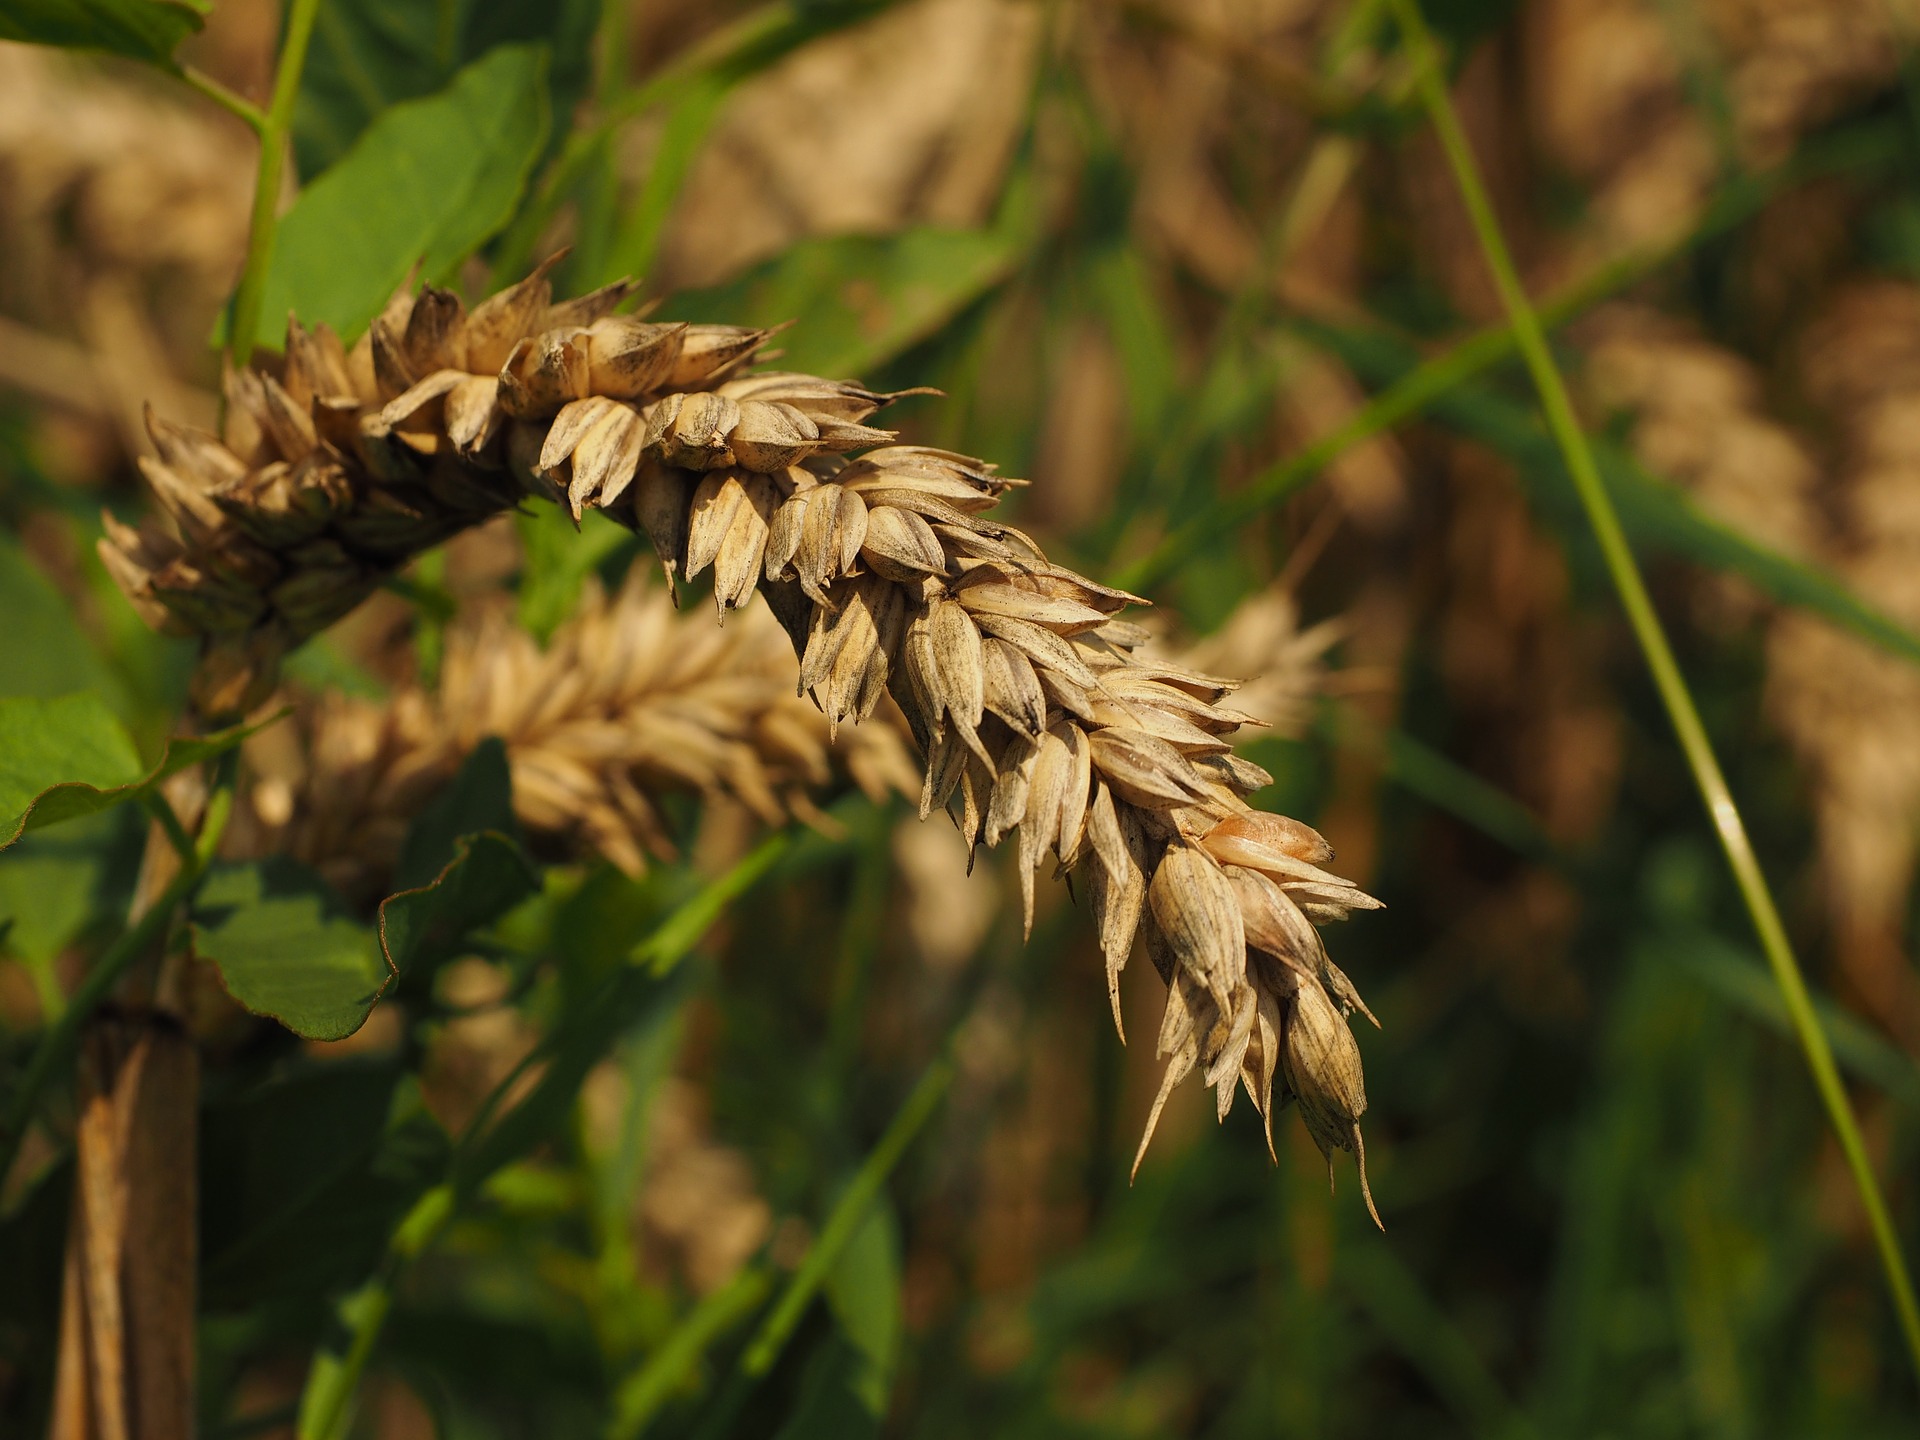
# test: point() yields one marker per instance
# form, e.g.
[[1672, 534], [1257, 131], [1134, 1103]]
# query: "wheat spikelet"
[[1031, 706], [629, 701]]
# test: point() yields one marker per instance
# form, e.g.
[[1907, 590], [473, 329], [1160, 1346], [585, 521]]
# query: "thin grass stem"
[[843, 1223], [1530, 336], [849, 1213], [228, 100], [643, 1393], [266, 186]]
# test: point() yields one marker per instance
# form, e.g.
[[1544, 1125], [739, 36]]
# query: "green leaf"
[[61, 759], [863, 1290], [290, 1203], [461, 866], [52, 887], [368, 55], [861, 300], [287, 948], [43, 650], [487, 877], [830, 1406], [479, 798], [149, 30], [428, 182]]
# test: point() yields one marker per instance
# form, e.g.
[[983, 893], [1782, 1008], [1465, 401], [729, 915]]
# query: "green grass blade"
[[642, 1393], [1426, 1335], [1647, 628], [848, 1213]]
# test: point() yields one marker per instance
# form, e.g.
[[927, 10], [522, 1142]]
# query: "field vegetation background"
[[1198, 270]]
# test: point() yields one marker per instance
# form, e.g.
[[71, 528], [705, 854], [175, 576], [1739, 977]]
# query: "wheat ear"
[[1031, 707]]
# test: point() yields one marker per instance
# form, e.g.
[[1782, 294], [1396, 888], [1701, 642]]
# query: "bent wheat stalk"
[[1032, 707]]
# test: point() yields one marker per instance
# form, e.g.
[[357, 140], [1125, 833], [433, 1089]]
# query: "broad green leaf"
[[479, 798], [461, 866], [287, 948], [860, 300], [149, 30], [54, 885], [830, 1405], [863, 1290], [487, 876], [367, 55], [304, 1177], [61, 759], [284, 1175], [428, 182], [43, 650]]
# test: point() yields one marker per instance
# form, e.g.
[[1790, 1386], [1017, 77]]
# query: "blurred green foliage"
[[1608, 1209]]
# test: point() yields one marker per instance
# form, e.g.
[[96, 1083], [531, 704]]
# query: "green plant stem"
[[227, 100], [642, 1393], [849, 1213], [1557, 405], [168, 819], [648, 1388], [57, 1042], [327, 1401], [266, 186], [843, 1223]]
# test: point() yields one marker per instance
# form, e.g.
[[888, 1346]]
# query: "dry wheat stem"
[[1032, 707]]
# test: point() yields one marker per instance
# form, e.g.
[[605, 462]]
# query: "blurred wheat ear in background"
[[453, 984]]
